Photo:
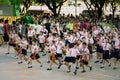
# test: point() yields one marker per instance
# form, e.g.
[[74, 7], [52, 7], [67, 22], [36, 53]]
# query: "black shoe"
[[68, 71], [102, 67], [7, 53], [77, 67], [59, 65], [20, 62], [90, 68], [28, 62], [109, 65], [41, 65], [43, 54], [114, 68], [48, 61], [30, 67], [49, 69], [97, 61], [75, 72], [83, 71]]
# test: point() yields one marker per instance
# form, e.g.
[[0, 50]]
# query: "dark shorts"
[[24, 52], [12, 44], [67, 59], [36, 56], [116, 54], [59, 55], [106, 54], [30, 40], [72, 59], [6, 37], [99, 49]]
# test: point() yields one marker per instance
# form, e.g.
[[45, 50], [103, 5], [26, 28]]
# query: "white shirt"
[[41, 39], [59, 45], [34, 49], [106, 29], [24, 44], [117, 43], [52, 49], [31, 33], [38, 29], [85, 53], [72, 39], [74, 52], [68, 53], [106, 46], [89, 40]]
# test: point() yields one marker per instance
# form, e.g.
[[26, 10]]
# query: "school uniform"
[[53, 50], [74, 52], [85, 55], [41, 39], [116, 49], [72, 41], [106, 29], [59, 45], [24, 47], [99, 45], [30, 36], [79, 54], [106, 48], [67, 56], [12, 38], [34, 51]]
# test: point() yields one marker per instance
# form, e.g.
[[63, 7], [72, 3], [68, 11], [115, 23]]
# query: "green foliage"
[[4, 2]]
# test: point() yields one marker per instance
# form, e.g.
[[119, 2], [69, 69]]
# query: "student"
[[59, 45], [7, 30], [41, 40], [24, 45], [116, 53], [34, 55], [74, 52], [72, 40], [53, 58], [79, 43], [67, 57], [85, 57], [106, 51]]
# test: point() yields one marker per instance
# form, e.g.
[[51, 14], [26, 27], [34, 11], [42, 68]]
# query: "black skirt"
[[24, 52], [116, 54], [67, 59], [106, 54]]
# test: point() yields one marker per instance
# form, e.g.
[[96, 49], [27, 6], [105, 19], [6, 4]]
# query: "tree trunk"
[[99, 12], [54, 12]]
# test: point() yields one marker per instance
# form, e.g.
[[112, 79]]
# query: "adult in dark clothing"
[[47, 24], [6, 31]]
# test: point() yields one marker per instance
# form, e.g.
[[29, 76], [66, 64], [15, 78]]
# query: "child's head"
[[84, 44]]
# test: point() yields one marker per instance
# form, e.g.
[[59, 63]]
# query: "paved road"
[[10, 70]]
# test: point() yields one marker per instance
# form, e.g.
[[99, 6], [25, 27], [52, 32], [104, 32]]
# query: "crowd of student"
[[69, 43]]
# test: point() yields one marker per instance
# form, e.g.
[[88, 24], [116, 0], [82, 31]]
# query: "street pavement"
[[11, 70]]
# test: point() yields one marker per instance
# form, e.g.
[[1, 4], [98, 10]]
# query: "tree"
[[27, 4], [98, 4], [53, 5], [114, 4]]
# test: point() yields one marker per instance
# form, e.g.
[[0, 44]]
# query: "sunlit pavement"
[[11, 70]]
